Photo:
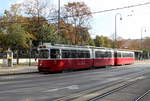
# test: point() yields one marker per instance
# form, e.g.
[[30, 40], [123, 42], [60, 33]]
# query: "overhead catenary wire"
[[121, 8], [96, 12]]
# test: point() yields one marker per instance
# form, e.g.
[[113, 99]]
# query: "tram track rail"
[[87, 91], [101, 92], [142, 96], [111, 91], [118, 89]]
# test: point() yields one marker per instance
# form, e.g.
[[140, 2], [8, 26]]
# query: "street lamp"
[[58, 28], [142, 29], [58, 13], [115, 43]]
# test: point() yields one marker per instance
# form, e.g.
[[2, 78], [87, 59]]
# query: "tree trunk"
[[17, 57]]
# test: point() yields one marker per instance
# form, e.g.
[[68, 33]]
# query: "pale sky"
[[103, 23]]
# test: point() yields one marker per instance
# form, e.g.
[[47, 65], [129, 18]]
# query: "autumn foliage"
[[33, 22]]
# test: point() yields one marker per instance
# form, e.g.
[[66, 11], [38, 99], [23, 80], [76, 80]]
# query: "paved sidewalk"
[[18, 70], [142, 62]]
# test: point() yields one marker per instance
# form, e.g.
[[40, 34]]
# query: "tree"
[[36, 8], [15, 9], [84, 36], [120, 43], [102, 41], [12, 15], [17, 36], [33, 27], [97, 41], [50, 34], [134, 45], [15, 33], [146, 43], [77, 14], [39, 11], [3, 41]]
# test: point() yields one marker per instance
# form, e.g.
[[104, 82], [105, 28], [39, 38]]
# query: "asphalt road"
[[49, 87]]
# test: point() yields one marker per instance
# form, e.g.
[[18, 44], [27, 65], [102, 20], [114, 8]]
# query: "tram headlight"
[[43, 64]]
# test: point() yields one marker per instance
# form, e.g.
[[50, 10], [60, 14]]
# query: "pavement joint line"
[[9, 74]]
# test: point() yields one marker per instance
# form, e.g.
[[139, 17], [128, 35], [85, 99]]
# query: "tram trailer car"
[[124, 57], [54, 58], [103, 57]]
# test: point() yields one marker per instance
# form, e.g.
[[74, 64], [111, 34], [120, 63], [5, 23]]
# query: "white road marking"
[[72, 87], [114, 79], [138, 78], [52, 90], [8, 77]]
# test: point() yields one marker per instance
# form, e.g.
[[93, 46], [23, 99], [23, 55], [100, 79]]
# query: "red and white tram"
[[123, 57], [53, 58]]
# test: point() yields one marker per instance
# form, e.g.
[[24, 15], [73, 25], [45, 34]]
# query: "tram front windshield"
[[44, 54]]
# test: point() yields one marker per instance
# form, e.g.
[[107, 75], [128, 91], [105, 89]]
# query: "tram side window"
[[130, 55], [66, 53], [127, 55], [74, 54], [108, 54], [44, 54], [80, 54], [87, 54], [100, 54], [83, 54], [54, 53], [119, 55], [124, 55]]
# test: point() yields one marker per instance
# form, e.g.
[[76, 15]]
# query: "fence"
[[23, 56]]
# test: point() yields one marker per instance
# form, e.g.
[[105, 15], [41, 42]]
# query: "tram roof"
[[129, 50], [48, 45], [62, 45]]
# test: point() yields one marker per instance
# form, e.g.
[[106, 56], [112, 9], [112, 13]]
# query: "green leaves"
[[102, 41], [15, 36], [49, 34]]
